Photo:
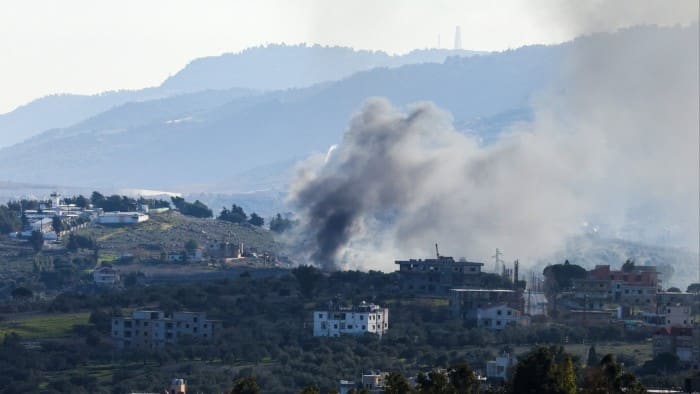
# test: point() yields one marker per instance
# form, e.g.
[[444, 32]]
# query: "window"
[[194, 319], [498, 312], [349, 326], [363, 327], [362, 317], [320, 315], [510, 313], [145, 324], [334, 326], [194, 329]]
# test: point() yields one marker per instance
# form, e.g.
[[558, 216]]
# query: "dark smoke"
[[616, 134]]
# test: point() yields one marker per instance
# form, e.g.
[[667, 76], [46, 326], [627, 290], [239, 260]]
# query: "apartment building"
[[155, 329], [438, 275], [356, 320]]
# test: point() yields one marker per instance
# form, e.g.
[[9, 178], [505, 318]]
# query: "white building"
[[364, 318], [122, 218], [500, 367], [678, 316], [105, 276], [498, 317]]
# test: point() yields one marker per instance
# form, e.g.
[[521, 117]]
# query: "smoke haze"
[[614, 141]]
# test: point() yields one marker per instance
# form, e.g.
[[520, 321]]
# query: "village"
[[628, 299]]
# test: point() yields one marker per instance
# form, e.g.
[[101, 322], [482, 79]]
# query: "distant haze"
[[83, 46]]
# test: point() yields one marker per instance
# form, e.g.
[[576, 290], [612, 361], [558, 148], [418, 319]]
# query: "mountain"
[[279, 67], [272, 67], [171, 144]]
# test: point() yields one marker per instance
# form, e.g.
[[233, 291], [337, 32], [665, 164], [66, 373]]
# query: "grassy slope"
[[169, 232], [43, 326]]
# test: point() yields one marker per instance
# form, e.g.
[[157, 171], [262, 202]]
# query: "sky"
[[88, 46]]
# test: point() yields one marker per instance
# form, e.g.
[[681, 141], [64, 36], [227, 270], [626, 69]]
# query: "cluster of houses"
[[632, 298], [42, 219]]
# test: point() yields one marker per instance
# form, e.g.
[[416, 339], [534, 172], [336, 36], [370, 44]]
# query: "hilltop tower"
[[458, 38]]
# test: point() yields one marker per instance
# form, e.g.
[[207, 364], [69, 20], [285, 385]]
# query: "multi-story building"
[[357, 320], [498, 317], [634, 289], [155, 329], [465, 303], [678, 316], [437, 275], [500, 368], [105, 275], [681, 341]]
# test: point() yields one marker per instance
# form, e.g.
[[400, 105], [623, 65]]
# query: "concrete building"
[[122, 218], [178, 386], [498, 317], [374, 382], [635, 289], [155, 329], [678, 316], [438, 275], [105, 275], [464, 303], [681, 341], [364, 318], [499, 369]]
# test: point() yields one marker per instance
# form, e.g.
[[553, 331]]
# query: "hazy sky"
[[88, 46]]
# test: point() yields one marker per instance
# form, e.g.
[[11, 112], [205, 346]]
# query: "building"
[[498, 317], [346, 386], [155, 329], [499, 369], [438, 275], [681, 341], [122, 218], [358, 320], [178, 386], [464, 303], [678, 316], [374, 382], [105, 275], [634, 289]]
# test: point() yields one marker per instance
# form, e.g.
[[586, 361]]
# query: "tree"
[[673, 290], [96, 199], [628, 266], [693, 288], [37, 240], [559, 277], [435, 382], [463, 379], [593, 359], [235, 215], [197, 209], [57, 224], [310, 390], [545, 370], [256, 220], [396, 383], [246, 385], [608, 377], [280, 224], [191, 245], [22, 293], [307, 276], [9, 220]]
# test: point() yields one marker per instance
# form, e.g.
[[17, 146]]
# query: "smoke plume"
[[616, 135]]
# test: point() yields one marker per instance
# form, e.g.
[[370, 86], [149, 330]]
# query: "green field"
[[42, 326]]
